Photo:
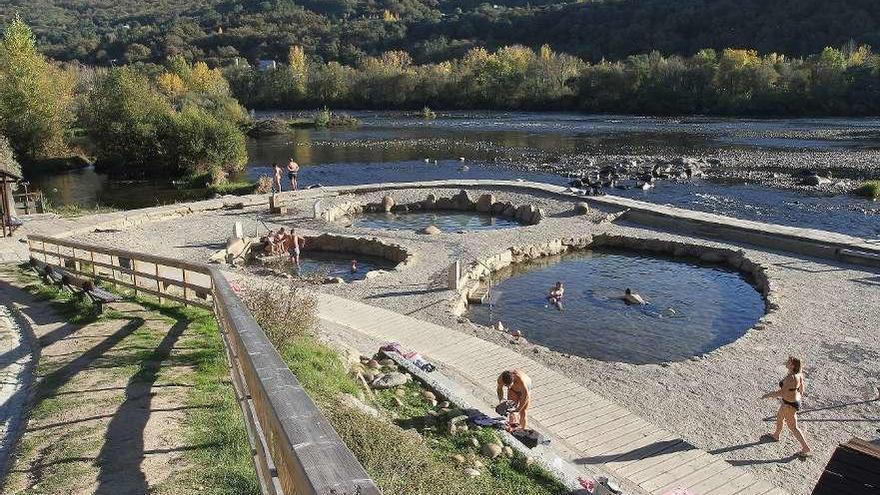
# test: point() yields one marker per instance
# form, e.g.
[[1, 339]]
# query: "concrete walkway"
[[598, 432]]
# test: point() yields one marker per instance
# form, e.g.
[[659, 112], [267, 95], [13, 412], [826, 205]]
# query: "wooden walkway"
[[601, 433]]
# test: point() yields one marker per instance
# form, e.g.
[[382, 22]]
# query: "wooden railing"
[[27, 203], [295, 449]]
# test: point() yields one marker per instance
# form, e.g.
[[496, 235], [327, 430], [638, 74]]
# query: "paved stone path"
[[16, 362], [599, 432]]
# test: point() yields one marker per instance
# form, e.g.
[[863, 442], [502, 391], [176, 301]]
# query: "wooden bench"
[[76, 285]]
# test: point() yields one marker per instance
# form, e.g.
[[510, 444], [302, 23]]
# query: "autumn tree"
[[36, 97]]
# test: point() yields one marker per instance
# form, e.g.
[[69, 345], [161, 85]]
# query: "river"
[[396, 146]]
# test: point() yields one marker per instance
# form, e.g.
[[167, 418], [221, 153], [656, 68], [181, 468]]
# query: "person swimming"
[[556, 294], [630, 297], [354, 266]]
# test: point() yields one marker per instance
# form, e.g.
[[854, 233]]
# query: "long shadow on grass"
[[123, 449]]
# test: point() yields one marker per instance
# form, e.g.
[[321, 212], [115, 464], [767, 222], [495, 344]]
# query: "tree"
[[36, 98]]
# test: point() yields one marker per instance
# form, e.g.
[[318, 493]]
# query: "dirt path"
[[109, 399]]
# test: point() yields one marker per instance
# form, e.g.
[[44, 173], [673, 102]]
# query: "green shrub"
[[870, 189]]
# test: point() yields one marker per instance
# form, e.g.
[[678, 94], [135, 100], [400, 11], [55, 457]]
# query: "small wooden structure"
[[10, 173], [854, 469]]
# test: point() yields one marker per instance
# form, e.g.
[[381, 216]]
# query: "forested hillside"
[[104, 32]]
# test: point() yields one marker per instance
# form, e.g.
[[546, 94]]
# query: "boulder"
[[525, 213], [356, 403], [387, 204], [492, 450], [430, 202], [537, 216], [485, 203], [582, 208], [391, 380], [497, 208], [431, 230], [462, 201]]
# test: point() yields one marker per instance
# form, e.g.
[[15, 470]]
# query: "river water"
[[395, 146]]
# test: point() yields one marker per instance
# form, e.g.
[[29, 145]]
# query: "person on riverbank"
[[276, 184], [516, 384], [292, 172], [296, 242], [791, 389], [630, 297], [556, 294]]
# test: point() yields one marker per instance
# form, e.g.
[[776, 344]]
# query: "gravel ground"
[[828, 314]]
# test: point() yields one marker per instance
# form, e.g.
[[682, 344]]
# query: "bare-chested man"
[[292, 172], [296, 242], [517, 384]]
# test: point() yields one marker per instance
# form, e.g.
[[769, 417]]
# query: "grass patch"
[[237, 188], [215, 447], [73, 210], [870, 190]]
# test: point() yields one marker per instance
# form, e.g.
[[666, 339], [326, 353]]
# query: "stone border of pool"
[[486, 204], [473, 278]]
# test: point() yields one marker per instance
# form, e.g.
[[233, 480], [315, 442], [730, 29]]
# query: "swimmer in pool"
[[556, 294], [354, 266], [630, 297]]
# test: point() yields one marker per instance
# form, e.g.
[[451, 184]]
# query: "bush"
[[428, 114], [284, 312], [264, 184], [870, 189]]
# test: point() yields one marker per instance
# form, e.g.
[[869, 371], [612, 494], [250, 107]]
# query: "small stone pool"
[[692, 308], [324, 264], [446, 221]]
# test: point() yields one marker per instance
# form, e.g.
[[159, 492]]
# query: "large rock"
[[814, 180], [524, 213], [431, 230], [509, 211], [390, 380], [430, 202], [537, 216], [462, 201], [498, 208], [387, 204], [492, 450], [485, 202], [582, 208]]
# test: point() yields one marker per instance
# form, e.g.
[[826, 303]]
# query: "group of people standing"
[[282, 241], [292, 173]]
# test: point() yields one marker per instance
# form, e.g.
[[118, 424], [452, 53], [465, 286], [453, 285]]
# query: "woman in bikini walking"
[[791, 389]]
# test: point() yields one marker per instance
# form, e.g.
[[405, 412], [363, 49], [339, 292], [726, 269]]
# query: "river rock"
[[387, 203], [492, 450], [356, 403], [814, 180], [525, 214], [485, 203], [391, 380], [582, 208], [537, 216], [428, 395], [471, 472], [431, 230], [462, 201]]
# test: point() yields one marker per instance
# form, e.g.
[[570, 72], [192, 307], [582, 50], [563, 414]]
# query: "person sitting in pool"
[[354, 266], [556, 294], [631, 297], [296, 242]]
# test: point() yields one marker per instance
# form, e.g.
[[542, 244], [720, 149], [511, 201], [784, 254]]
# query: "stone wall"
[[475, 276], [486, 204], [360, 245]]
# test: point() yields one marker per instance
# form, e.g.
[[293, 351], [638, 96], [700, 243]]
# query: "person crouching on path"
[[517, 384], [791, 389]]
